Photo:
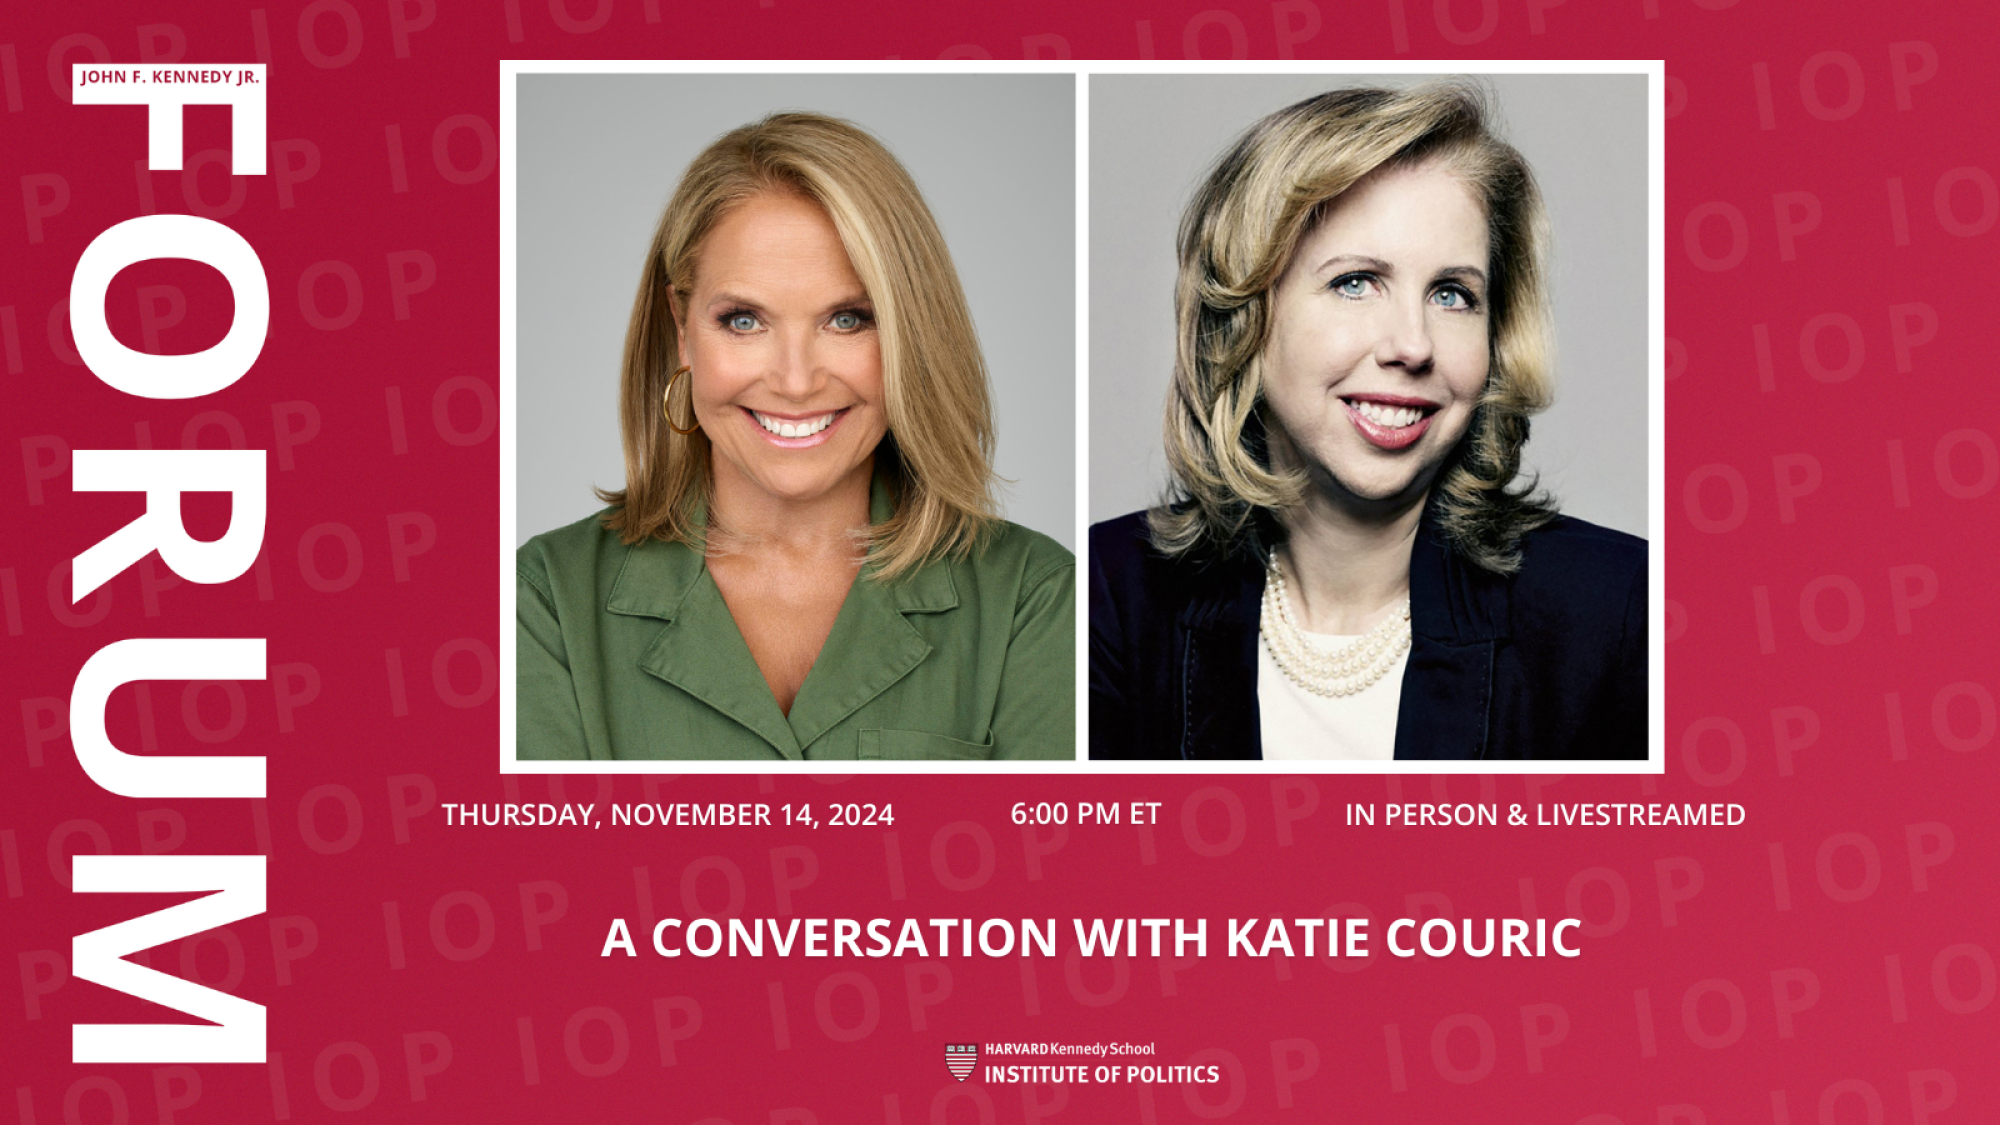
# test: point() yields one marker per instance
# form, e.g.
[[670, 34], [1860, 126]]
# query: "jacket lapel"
[[1218, 666], [870, 648], [699, 649], [1457, 615], [1447, 691]]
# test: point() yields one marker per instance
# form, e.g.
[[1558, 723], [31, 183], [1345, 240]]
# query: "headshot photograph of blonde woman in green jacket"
[[806, 560]]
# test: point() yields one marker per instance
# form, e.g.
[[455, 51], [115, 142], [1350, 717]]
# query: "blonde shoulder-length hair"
[[1236, 240], [939, 449]]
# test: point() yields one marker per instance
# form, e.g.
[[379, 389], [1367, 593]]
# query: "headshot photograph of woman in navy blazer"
[[1352, 560], [806, 559]]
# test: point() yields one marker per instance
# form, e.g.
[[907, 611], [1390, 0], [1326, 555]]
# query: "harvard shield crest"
[[960, 1058]]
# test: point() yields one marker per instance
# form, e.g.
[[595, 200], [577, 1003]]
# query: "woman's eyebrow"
[[858, 297], [725, 297], [1361, 261], [1464, 273]]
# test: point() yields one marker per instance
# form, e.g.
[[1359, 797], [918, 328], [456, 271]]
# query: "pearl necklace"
[[1334, 673]]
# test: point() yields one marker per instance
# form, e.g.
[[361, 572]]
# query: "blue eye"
[[1455, 298], [740, 322], [846, 321], [1353, 285]]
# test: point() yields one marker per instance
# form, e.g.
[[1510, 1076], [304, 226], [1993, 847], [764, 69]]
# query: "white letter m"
[[99, 957]]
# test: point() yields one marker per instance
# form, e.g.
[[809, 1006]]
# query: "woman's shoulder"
[[1580, 563], [1010, 547], [587, 536], [1138, 589], [1123, 548], [1566, 541], [584, 553], [1122, 553], [1120, 538]]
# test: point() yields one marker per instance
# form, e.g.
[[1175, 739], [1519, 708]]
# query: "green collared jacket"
[[630, 652]]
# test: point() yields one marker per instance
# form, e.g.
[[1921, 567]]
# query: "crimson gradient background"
[[1831, 476]]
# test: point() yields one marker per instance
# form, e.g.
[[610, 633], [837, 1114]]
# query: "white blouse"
[[1298, 725]]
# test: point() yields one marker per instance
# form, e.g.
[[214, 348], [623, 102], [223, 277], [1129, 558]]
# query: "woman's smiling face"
[[785, 362], [1379, 342]]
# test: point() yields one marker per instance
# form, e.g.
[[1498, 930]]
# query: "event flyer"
[[383, 921]]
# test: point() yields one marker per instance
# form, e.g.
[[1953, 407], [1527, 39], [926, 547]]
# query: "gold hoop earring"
[[667, 396]]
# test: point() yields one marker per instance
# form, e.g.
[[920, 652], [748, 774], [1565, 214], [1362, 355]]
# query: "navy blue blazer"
[[1549, 662]]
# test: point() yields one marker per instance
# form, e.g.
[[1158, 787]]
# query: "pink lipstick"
[[1389, 422]]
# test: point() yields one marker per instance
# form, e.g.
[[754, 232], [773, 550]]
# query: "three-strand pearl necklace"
[[1334, 672]]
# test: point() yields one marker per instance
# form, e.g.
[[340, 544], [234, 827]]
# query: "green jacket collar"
[[700, 650]]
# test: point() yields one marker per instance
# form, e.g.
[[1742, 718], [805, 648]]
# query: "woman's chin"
[[788, 489], [797, 484], [1368, 488]]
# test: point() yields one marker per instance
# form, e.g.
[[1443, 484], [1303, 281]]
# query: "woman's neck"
[[746, 518], [1347, 568], [784, 568]]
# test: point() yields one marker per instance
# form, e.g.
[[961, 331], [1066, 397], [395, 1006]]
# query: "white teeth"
[[1390, 417], [782, 428]]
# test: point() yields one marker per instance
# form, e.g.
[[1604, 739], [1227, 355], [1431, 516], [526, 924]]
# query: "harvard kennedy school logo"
[[960, 1058]]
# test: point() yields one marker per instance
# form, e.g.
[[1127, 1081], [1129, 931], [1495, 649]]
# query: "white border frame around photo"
[[1082, 70]]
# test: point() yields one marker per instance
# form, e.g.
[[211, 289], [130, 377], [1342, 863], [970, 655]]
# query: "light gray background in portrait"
[[1153, 137], [995, 156]]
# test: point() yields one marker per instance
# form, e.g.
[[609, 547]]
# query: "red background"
[[1831, 474]]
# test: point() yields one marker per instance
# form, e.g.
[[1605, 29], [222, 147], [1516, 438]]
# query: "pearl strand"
[[1348, 670]]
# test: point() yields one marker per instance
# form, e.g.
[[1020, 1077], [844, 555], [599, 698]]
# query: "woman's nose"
[[1405, 339], [797, 371]]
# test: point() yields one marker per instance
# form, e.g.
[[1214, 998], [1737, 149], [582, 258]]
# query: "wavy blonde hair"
[[939, 450], [1238, 236]]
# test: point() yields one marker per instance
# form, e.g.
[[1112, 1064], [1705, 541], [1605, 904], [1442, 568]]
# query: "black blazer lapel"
[[1457, 616], [1447, 692], [1217, 655]]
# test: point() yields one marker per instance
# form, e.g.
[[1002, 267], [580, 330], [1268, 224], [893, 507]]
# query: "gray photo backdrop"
[[1152, 138], [995, 156]]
